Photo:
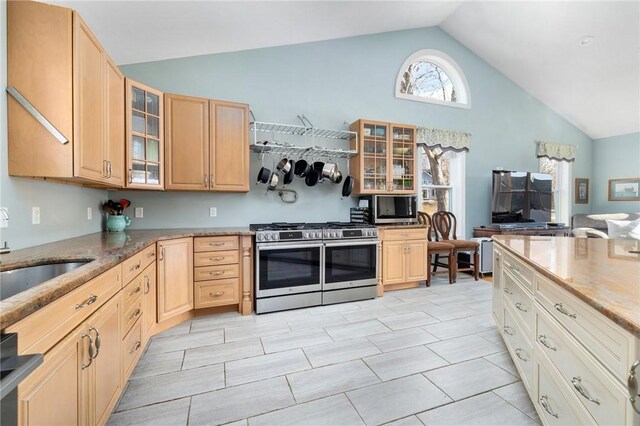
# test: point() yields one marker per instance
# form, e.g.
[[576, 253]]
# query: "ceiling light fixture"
[[585, 41]]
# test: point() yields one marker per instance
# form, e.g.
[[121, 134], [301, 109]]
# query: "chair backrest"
[[424, 219], [445, 225]]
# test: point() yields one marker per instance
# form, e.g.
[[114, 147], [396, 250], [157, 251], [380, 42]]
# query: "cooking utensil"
[[125, 203], [288, 177], [273, 181], [329, 170], [263, 175], [118, 208], [284, 166], [347, 186], [302, 168], [318, 166], [312, 178], [337, 177]]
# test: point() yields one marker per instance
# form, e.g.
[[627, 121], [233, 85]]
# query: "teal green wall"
[[63, 208], [616, 157], [344, 80]]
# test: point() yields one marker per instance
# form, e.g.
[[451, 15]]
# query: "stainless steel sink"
[[18, 280]]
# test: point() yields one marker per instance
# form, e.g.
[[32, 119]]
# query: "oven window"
[[350, 263], [282, 268]]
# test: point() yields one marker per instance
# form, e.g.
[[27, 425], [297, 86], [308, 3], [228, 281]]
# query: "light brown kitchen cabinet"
[[150, 309], [404, 257], [175, 277], [386, 160], [206, 144], [145, 136], [59, 67]]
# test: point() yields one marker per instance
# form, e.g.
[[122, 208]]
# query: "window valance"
[[556, 151], [447, 140]]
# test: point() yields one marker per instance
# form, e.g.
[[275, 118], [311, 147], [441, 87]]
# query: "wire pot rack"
[[264, 139]]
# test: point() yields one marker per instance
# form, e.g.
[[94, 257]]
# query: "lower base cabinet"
[[404, 257], [175, 277]]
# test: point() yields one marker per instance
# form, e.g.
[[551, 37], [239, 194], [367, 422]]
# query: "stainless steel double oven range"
[[311, 264]]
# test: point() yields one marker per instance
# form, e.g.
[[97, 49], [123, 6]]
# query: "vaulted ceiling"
[[536, 44]]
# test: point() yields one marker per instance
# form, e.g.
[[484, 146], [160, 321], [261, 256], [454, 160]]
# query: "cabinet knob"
[[216, 294], [135, 347]]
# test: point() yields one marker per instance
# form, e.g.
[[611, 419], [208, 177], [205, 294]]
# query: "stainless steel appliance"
[[299, 264], [393, 208]]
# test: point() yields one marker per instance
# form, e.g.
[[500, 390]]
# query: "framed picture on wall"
[[624, 189], [582, 191]]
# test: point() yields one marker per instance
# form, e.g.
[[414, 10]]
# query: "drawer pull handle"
[[521, 307], [147, 284], [563, 311], [135, 347], [216, 244], [217, 258], [577, 383], [508, 290], [90, 350], [134, 267], [216, 273], [150, 255], [216, 294], [87, 302], [96, 343], [509, 330], [544, 401], [134, 314], [512, 267], [632, 385], [519, 353], [134, 291], [543, 340]]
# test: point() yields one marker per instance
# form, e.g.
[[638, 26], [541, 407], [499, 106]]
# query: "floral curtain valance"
[[556, 151], [448, 140]]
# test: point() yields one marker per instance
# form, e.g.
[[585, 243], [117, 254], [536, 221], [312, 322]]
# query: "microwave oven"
[[393, 208]]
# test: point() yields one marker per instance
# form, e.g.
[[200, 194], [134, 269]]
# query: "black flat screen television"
[[521, 197]]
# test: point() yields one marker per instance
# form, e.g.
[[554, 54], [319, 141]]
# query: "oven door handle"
[[352, 243], [277, 246]]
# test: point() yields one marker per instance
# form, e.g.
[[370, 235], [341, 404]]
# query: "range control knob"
[[333, 234], [305, 235], [365, 232], [276, 236], [259, 237]]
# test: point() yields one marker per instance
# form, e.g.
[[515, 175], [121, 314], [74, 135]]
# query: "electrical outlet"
[[213, 212], [138, 212], [4, 217], [35, 216], [89, 213]]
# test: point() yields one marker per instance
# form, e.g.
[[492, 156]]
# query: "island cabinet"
[[66, 102], [386, 160], [175, 277], [574, 361], [404, 257], [206, 144]]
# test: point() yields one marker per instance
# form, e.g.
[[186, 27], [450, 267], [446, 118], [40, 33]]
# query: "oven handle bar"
[[351, 243], [284, 246]]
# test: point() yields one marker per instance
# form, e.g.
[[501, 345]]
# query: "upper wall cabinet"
[[386, 161], [144, 130], [66, 102], [206, 144]]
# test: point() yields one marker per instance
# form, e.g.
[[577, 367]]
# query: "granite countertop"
[[103, 250], [601, 272]]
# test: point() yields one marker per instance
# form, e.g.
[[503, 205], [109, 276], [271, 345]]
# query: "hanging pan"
[[347, 186]]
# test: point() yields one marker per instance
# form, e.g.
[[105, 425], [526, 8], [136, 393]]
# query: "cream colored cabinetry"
[[60, 68], [150, 307], [404, 257], [386, 161], [175, 277], [144, 136], [573, 360], [206, 144], [498, 312]]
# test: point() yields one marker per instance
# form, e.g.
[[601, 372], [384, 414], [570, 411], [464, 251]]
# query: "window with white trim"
[[442, 175], [560, 172], [432, 76]]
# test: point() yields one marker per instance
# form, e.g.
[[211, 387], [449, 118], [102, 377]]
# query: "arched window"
[[432, 76]]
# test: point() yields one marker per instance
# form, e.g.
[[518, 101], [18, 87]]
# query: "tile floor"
[[419, 356]]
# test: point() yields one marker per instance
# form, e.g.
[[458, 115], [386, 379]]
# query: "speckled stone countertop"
[[103, 250], [603, 273]]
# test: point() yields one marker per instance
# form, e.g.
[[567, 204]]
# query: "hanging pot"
[[312, 178], [337, 177], [329, 170], [302, 168], [284, 166], [347, 186], [288, 177], [273, 181], [263, 175], [318, 166]]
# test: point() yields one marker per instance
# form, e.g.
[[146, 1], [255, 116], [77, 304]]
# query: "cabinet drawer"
[[41, 330], [215, 243], [552, 405], [131, 349], [205, 273], [592, 385], [522, 272], [519, 347], [132, 291], [610, 344], [136, 263], [217, 293], [216, 258], [130, 315], [404, 234], [521, 302]]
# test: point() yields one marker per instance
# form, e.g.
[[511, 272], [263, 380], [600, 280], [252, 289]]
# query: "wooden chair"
[[437, 248], [445, 226]]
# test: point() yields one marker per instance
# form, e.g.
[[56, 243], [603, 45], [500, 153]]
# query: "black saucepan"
[[284, 166], [312, 178], [288, 177], [318, 166], [263, 175], [302, 168], [347, 186]]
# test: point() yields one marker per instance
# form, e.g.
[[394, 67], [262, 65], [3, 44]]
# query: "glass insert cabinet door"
[[403, 159], [144, 136]]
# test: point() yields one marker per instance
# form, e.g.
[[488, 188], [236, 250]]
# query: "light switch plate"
[[35, 216], [213, 212], [89, 213], [138, 212]]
